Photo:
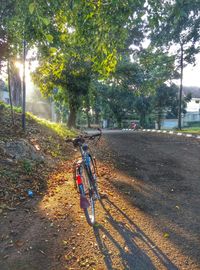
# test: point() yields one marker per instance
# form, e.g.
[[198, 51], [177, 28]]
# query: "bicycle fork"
[[84, 203]]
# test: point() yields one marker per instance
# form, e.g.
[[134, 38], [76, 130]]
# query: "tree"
[[15, 84], [176, 22], [100, 30], [174, 108], [73, 83], [120, 101], [164, 100], [143, 107], [77, 52], [157, 68]]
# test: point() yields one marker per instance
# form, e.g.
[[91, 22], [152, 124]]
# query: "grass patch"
[[192, 130], [59, 129], [7, 106]]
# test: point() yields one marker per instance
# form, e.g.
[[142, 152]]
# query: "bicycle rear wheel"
[[89, 195]]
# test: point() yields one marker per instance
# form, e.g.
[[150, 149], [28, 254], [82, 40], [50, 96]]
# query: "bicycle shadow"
[[130, 253]]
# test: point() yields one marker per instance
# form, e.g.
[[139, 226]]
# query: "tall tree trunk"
[[143, 120], [15, 85], [71, 123], [181, 90], [9, 90], [87, 105], [88, 118], [24, 88], [159, 119], [96, 117], [119, 122]]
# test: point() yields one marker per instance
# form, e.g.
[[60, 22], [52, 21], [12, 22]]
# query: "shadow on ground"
[[132, 251]]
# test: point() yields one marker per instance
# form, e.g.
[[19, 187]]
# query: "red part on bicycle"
[[78, 179]]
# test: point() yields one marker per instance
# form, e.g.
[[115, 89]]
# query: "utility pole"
[[180, 90], [24, 87]]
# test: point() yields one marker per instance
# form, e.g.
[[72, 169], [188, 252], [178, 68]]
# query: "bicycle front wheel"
[[89, 195]]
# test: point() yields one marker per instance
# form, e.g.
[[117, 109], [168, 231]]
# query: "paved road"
[[166, 169]]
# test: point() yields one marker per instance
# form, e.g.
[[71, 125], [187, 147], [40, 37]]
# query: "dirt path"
[[148, 220]]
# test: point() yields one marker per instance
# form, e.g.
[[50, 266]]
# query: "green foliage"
[[157, 68], [143, 107], [119, 100], [2, 105], [173, 112], [128, 74], [31, 8], [101, 28], [176, 22], [16, 109], [59, 129], [86, 39], [166, 97]]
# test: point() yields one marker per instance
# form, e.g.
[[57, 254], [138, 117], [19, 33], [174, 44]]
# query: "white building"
[[193, 107], [192, 115]]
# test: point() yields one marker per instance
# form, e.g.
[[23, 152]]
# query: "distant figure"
[[133, 125]]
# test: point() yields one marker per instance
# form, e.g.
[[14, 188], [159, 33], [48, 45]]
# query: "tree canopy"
[[83, 41]]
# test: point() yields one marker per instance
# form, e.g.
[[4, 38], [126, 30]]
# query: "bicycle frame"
[[85, 161], [85, 177]]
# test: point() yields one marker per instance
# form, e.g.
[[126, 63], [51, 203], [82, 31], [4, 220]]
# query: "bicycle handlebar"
[[81, 139]]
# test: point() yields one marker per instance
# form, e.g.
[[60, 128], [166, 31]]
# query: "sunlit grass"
[[59, 129], [7, 106]]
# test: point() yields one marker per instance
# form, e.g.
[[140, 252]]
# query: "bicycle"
[[85, 176]]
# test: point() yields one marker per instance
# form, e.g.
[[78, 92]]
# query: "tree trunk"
[[119, 122], [71, 123], [15, 85], [24, 88], [143, 120], [9, 90], [96, 118], [88, 118], [159, 119]]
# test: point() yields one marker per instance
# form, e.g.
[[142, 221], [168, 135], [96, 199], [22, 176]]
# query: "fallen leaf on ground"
[[166, 235]]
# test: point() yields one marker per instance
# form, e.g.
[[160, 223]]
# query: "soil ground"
[[148, 219]]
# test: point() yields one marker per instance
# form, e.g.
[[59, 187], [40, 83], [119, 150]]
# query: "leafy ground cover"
[[19, 176]]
